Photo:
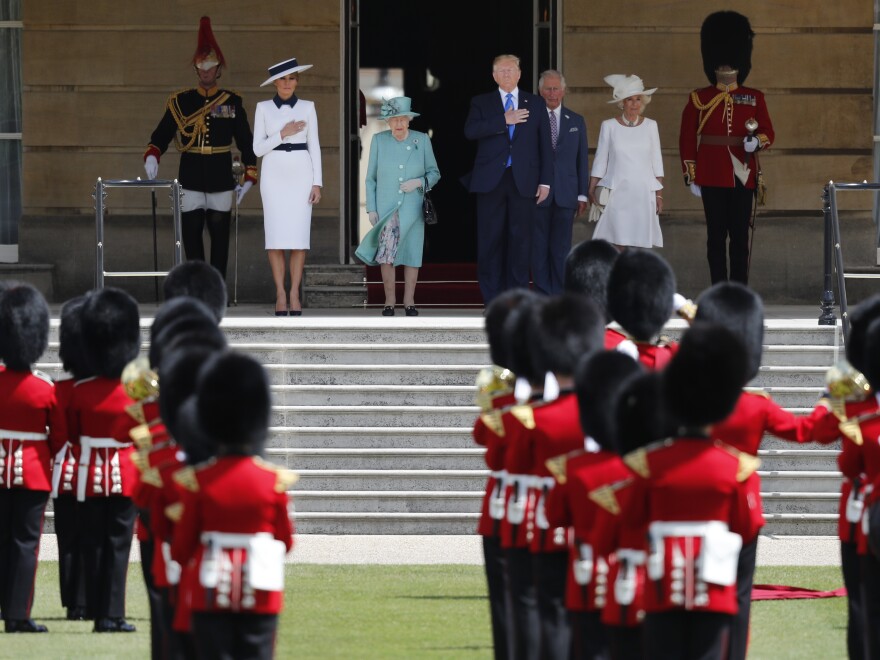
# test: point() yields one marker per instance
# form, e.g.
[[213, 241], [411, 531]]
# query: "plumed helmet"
[[739, 309], [726, 39], [70, 339], [520, 353], [860, 319], [208, 53], [587, 268], [233, 402], [496, 315], [111, 331], [200, 280], [703, 381], [564, 329], [640, 293], [24, 326], [599, 379]]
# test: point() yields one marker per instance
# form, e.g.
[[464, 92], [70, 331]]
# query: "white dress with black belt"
[[287, 176]]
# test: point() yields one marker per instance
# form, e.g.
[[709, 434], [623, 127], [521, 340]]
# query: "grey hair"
[[550, 73]]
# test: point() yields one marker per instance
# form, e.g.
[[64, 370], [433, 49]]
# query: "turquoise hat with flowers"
[[399, 106]]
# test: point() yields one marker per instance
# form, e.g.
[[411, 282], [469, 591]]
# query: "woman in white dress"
[[286, 136], [628, 163]]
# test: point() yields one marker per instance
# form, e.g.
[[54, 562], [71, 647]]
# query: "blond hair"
[[501, 58]]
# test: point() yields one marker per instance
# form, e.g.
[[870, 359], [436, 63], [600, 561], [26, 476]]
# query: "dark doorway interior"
[[456, 41]]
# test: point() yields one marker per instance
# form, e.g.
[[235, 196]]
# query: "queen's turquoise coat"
[[392, 163]]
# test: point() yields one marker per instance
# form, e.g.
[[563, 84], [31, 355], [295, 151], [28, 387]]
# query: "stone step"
[[378, 523], [799, 355], [369, 501], [378, 459], [793, 502], [812, 481], [334, 297], [800, 524], [333, 275], [370, 437], [777, 460], [365, 374], [407, 416], [384, 395], [790, 376], [371, 353], [427, 480]]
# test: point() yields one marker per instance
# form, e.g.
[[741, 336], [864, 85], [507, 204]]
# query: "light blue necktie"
[[508, 105]]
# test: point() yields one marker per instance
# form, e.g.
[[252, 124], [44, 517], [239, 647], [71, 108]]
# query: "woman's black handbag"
[[428, 209]]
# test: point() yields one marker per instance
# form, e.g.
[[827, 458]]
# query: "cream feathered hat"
[[626, 86]]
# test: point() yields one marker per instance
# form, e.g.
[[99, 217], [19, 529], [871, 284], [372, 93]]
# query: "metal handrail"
[[100, 196], [834, 255]]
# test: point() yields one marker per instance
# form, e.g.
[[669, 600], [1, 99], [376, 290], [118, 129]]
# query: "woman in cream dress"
[[629, 164], [286, 136]]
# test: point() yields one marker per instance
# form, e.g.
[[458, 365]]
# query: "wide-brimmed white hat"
[[626, 86], [284, 68]]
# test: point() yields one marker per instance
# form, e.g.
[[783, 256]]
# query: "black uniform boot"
[[218, 228]]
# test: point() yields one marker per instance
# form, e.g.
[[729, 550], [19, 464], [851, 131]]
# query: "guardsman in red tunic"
[[32, 431], [100, 425], [569, 504], [691, 500], [740, 309], [203, 122], [68, 523], [560, 332], [494, 393], [641, 295], [235, 529], [723, 127]]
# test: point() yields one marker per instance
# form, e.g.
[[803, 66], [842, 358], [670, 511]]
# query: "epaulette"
[[140, 461], [637, 461], [152, 477], [557, 466], [492, 421], [284, 479], [174, 512], [142, 436], [747, 464], [186, 477], [524, 414], [42, 375], [852, 427], [606, 496]]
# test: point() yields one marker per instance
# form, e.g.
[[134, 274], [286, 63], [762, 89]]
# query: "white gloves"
[[241, 191], [411, 184], [751, 144], [374, 217], [695, 189], [151, 166]]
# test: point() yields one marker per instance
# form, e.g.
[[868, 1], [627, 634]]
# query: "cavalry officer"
[[203, 121]]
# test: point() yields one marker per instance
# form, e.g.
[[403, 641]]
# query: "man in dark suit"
[[551, 238], [513, 169]]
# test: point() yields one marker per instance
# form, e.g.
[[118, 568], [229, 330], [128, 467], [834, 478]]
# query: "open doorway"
[[442, 55]]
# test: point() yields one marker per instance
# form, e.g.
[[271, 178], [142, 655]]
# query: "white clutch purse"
[[603, 195]]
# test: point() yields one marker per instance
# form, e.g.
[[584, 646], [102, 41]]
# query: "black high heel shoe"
[[411, 311]]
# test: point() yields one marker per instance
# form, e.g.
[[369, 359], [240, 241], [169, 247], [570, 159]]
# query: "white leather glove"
[[151, 166], [695, 189], [411, 184], [374, 217], [241, 190], [751, 144]]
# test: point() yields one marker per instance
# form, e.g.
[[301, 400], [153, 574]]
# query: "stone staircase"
[[375, 415]]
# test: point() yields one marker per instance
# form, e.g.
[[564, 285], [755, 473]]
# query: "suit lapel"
[[564, 126], [523, 104]]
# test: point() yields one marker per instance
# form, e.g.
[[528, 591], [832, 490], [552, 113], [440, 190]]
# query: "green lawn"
[[413, 612]]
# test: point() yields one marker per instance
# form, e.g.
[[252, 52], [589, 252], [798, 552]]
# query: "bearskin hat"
[[188, 433], [872, 354], [641, 287], [598, 380], [564, 329], [587, 268], [178, 375], [737, 308], [178, 315], [70, 339], [200, 280], [860, 319], [640, 414], [726, 38], [24, 326], [111, 331], [703, 381], [520, 353], [233, 401], [496, 314]]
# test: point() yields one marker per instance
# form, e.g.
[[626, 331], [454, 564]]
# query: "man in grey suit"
[[551, 237]]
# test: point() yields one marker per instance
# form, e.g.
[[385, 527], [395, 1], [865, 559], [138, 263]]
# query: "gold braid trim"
[[707, 109], [192, 128]]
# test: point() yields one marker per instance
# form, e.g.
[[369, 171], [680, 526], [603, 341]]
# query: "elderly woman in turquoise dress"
[[401, 167]]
